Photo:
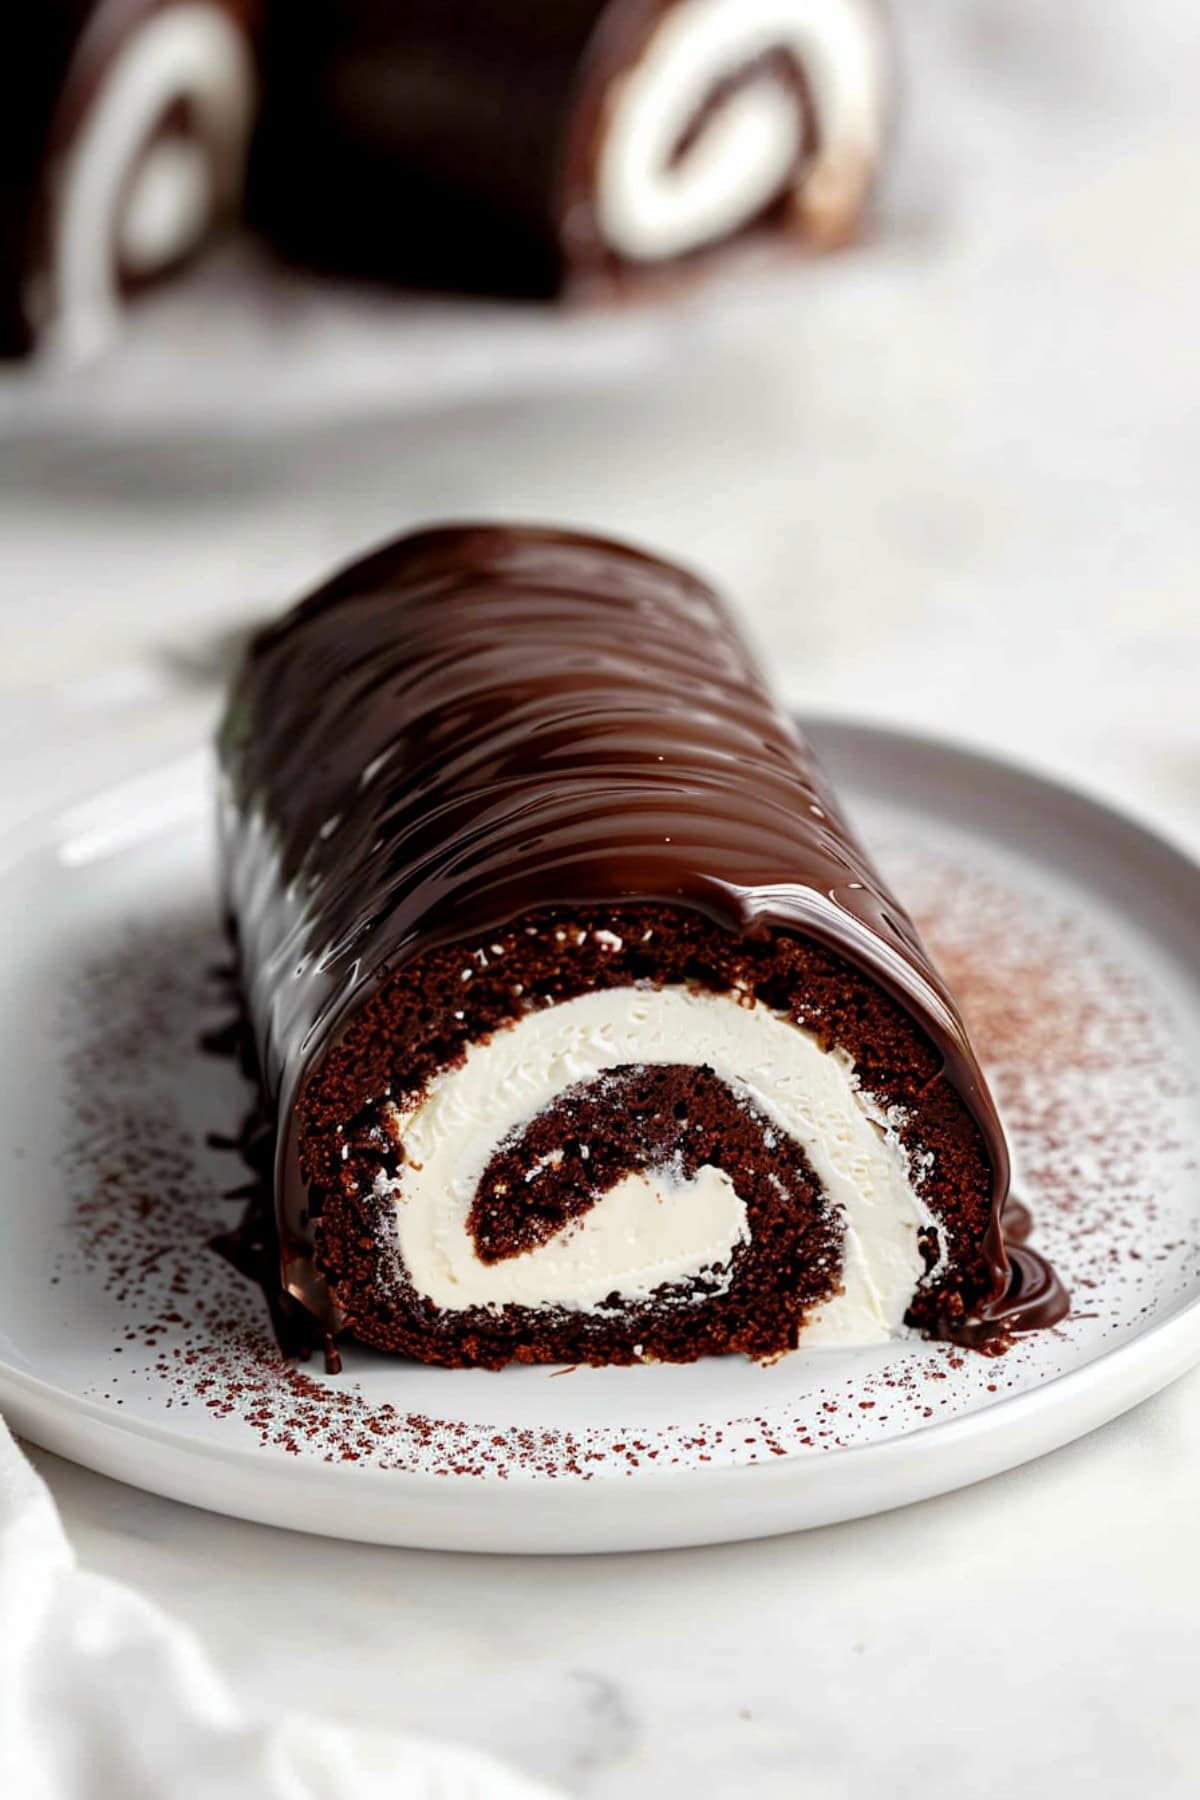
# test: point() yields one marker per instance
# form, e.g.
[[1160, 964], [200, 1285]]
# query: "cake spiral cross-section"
[[123, 145], [586, 1028], [520, 147]]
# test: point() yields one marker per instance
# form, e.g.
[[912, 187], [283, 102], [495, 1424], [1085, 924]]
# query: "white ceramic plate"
[[241, 345], [1073, 937]]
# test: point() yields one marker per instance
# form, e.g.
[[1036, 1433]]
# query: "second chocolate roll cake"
[[589, 1030], [520, 147]]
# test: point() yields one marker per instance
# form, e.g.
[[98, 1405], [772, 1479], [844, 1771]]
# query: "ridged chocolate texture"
[[477, 722]]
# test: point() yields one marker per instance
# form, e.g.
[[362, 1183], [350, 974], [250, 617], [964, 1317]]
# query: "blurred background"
[[949, 473]]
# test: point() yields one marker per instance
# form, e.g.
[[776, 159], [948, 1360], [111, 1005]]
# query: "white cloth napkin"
[[103, 1697]]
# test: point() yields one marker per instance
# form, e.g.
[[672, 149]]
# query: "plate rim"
[[540, 1513], [550, 1516]]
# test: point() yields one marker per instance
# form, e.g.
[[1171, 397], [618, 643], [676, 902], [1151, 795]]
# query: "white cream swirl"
[[652, 1228], [652, 205]]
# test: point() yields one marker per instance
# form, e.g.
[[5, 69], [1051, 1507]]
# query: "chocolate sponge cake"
[[587, 1029], [516, 147]]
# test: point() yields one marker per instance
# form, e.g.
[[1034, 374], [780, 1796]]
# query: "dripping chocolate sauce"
[[251, 1244]]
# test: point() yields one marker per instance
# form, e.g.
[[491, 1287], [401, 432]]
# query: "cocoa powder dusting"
[[1079, 1049]]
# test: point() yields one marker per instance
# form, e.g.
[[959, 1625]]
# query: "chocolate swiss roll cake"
[[513, 147], [122, 145], [586, 1028]]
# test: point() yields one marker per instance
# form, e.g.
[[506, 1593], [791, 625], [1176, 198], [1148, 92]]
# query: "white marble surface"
[[955, 480]]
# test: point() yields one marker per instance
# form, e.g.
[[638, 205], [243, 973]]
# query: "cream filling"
[[191, 51], [649, 209], [653, 1228], [168, 207]]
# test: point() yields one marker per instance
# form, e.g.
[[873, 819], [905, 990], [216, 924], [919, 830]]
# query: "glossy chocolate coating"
[[478, 722]]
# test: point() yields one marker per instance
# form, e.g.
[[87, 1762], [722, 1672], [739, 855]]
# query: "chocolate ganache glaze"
[[477, 722]]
